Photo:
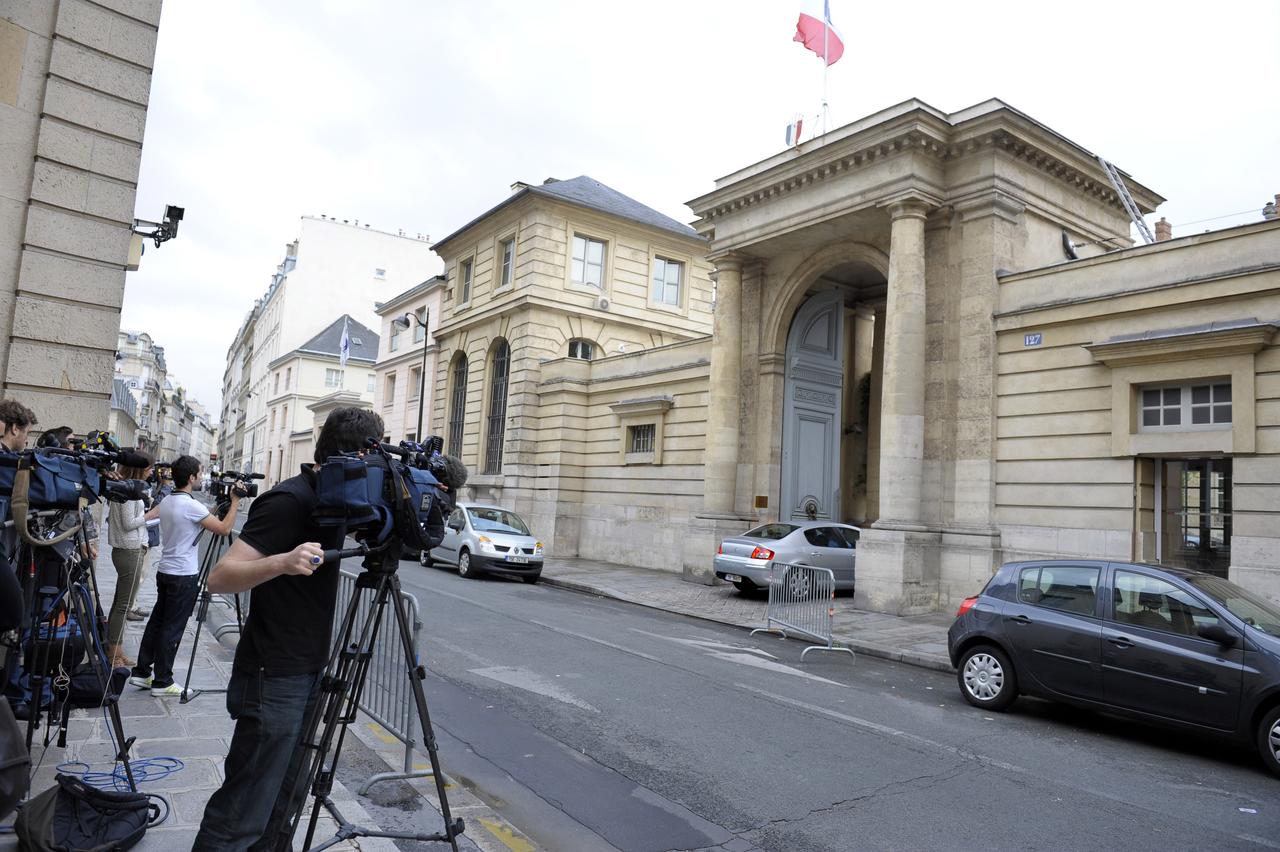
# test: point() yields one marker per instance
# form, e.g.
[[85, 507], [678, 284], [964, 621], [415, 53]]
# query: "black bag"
[[14, 761], [75, 817], [86, 690]]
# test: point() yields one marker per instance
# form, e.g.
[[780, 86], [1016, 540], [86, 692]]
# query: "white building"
[[400, 394], [334, 266]]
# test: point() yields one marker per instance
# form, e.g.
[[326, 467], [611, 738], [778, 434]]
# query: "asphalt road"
[[593, 724]]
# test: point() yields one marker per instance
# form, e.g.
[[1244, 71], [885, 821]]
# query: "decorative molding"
[[1243, 337], [997, 203], [642, 405]]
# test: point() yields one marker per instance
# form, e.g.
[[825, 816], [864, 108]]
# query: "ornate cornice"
[[1236, 338]]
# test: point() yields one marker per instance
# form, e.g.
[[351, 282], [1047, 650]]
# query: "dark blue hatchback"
[[1178, 647]]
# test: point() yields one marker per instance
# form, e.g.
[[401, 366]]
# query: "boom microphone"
[[452, 472]]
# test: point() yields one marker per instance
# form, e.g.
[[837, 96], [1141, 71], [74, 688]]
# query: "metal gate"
[[800, 600]]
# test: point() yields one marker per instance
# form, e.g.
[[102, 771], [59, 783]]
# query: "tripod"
[[77, 598], [341, 688], [218, 545]]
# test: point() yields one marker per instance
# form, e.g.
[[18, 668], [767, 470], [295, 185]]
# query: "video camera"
[[391, 498], [223, 483]]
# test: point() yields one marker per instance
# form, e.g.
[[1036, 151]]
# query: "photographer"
[[284, 648], [17, 421], [177, 582]]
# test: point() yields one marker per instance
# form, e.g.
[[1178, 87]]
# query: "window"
[[284, 419], [582, 349], [457, 404], [507, 251], [389, 395], [332, 378], [640, 438], [379, 272], [412, 437], [588, 261], [273, 421], [1157, 605], [420, 327], [1198, 406], [415, 382], [771, 532], [826, 537], [371, 383], [276, 387], [666, 281], [288, 378], [464, 282], [497, 421], [1069, 588], [395, 338]]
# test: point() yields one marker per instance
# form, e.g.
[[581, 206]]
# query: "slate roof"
[[584, 191], [364, 343]]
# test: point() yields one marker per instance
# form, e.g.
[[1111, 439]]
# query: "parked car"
[[488, 539], [744, 559], [1180, 648]]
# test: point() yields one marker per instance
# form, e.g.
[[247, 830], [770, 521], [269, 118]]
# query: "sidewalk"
[[920, 640]]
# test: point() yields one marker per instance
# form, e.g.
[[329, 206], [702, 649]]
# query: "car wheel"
[[746, 586], [986, 678], [425, 558], [532, 579], [464, 564], [1269, 739]]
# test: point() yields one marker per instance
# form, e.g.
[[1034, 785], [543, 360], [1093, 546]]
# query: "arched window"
[[457, 404], [497, 422], [583, 349]]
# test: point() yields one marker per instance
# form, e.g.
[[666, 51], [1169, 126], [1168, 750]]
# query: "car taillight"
[[966, 605], [720, 550], [762, 553]]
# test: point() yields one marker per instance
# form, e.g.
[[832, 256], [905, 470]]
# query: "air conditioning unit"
[[603, 303]]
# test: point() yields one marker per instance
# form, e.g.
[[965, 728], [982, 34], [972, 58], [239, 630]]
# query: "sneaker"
[[173, 690], [140, 682], [135, 615]]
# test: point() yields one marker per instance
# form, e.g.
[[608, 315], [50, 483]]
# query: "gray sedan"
[[744, 559], [482, 539]]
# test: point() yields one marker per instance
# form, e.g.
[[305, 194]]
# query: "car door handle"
[[1020, 619], [1120, 641]]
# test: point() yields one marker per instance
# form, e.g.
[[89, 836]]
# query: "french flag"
[[816, 32]]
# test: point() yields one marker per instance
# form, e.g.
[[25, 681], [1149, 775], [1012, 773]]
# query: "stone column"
[[902, 397], [720, 474]]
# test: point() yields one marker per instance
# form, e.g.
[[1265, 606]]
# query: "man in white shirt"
[[177, 581]]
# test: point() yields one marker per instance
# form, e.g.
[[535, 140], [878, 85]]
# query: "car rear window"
[[771, 532]]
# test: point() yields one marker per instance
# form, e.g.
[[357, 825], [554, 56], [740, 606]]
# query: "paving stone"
[[184, 748]]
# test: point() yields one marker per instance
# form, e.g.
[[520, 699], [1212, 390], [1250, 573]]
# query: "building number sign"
[[1032, 339]]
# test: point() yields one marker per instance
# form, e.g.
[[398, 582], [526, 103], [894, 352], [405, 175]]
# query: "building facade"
[[406, 368], [75, 79], [122, 421], [331, 264], [313, 372]]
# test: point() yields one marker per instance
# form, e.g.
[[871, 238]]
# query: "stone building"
[[75, 79], [331, 263], [558, 301], [140, 364], [406, 368], [310, 373]]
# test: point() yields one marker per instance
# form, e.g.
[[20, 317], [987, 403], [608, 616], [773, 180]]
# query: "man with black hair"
[[17, 420], [182, 517], [284, 648]]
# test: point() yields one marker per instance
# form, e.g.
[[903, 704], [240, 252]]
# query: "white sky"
[[419, 115]]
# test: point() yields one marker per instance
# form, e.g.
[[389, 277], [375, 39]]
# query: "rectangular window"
[[379, 272], [284, 420], [415, 382], [507, 250], [1199, 406], [288, 378], [588, 261], [395, 338], [371, 385], [389, 396], [666, 281], [276, 387], [464, 282], [332, 378], [420, 326], [640, 438], [1069, 588]]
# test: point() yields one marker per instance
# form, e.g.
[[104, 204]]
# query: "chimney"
[[1164, 231], [1272, 209], [550, 181], [517, 186]]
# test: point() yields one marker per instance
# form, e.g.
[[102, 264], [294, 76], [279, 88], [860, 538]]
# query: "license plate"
[[733, 578], [519, 560]]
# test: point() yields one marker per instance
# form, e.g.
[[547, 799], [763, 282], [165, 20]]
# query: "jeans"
[[128, 563], [175, 598], [263, 786]]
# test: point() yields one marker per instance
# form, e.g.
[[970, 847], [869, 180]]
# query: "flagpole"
[[826, 32]]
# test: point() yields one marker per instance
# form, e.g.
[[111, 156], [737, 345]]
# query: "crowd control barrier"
[[801, 601], [387, 697]]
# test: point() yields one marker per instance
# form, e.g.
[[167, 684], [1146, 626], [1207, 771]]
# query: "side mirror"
[[1216, 633]]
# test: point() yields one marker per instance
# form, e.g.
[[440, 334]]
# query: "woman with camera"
[[127, 535]]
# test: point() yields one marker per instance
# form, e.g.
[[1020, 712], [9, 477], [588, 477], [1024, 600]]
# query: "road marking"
[[598, 641], [707, 643], [876, 727], [507, 836], [522, 678], [382, 733], [742, 655]]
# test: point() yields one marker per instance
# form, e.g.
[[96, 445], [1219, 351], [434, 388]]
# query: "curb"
[[895, 655]]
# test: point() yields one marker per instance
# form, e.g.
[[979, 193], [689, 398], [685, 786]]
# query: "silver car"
[[488, 539], [744, 559]]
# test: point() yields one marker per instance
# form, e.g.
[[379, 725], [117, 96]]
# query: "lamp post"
[[404, 323]]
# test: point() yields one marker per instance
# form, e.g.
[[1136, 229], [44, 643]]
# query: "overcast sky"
[[418, 114]]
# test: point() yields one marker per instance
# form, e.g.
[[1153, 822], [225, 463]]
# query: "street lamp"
[[404, 323]]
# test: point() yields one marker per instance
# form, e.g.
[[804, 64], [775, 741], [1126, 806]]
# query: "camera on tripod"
[[222, 484]]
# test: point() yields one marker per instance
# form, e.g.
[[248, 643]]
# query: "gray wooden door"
[[811, 410]]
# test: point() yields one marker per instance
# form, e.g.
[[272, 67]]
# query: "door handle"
[[1020, 619], [1120, 641]]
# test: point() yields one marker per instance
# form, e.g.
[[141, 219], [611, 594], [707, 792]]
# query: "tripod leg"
[[417, 673], [210, 558], [97, 657]]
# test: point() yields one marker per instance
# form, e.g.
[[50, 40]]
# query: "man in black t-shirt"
[[284, 648]]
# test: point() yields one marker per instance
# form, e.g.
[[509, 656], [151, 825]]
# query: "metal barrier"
[[387, 697], [800, 600]]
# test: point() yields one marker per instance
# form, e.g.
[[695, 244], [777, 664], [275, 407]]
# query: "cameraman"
[[284, 648], [177, 581]]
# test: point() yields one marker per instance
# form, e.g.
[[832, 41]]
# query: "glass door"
[[1193, 514]]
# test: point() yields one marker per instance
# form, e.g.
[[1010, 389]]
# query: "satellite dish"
[[1067, 248]]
